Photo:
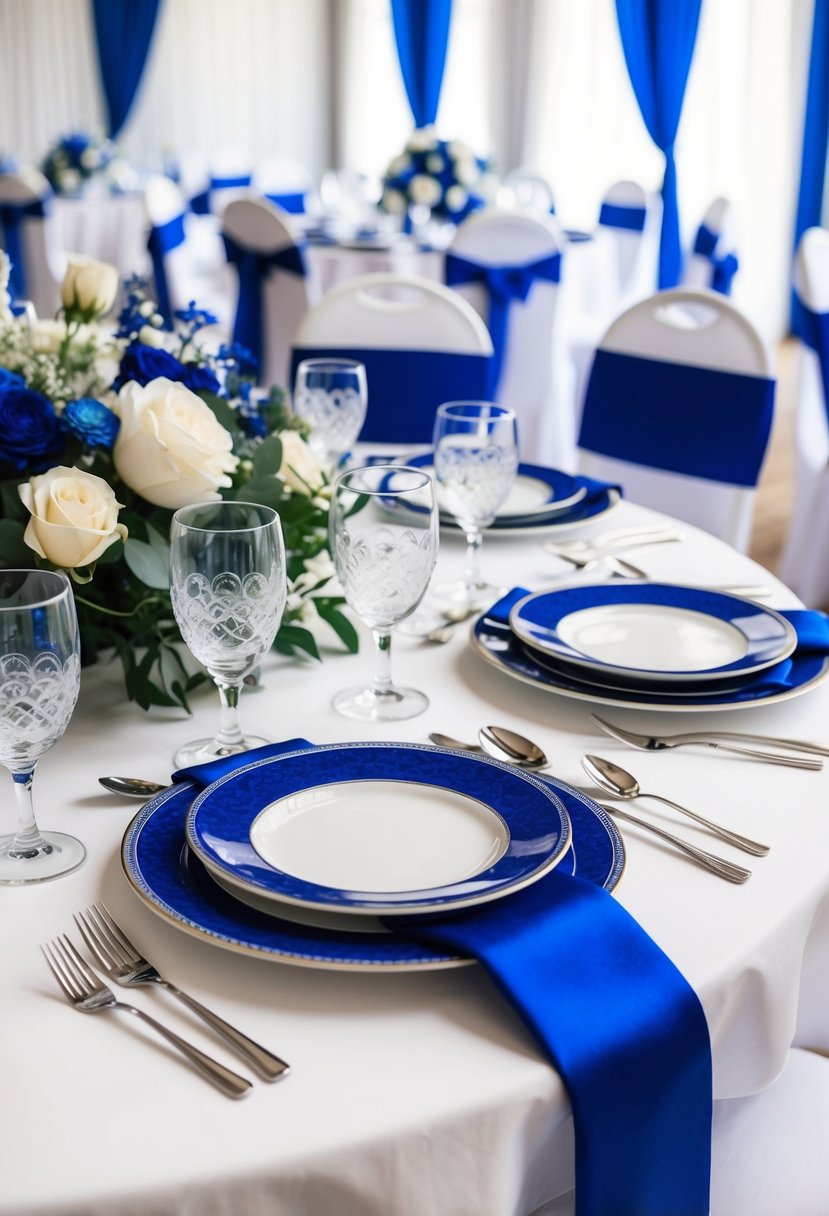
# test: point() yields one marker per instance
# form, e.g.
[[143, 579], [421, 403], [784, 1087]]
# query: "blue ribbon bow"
[[723, 266], [614, 215], [161, 241], [253, 268], [503, 285], [12, 218]]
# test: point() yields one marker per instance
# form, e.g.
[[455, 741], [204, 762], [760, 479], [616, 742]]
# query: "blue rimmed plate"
[[174, 884], [373, 828], [653, 633]]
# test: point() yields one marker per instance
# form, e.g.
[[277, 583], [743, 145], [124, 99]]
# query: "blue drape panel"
[[658, 41], [815, 128], [421, 31], [123, 31]]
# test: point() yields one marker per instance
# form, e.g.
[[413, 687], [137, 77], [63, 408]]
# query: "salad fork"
[[123, 964], [722, 741], [82, 988]]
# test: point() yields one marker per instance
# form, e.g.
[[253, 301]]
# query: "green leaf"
[[341, 625], [293, 637], [224, 413], [264, 490], [13, 549], [267, 458], [159, 543], [147, 564]]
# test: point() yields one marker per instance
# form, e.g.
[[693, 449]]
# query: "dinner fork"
[[655, 743], [123, 963], [82, 988]]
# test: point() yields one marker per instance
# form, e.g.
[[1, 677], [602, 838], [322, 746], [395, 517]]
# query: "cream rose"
[[171, 449], [89, 288], [300, 469], [74, 516]]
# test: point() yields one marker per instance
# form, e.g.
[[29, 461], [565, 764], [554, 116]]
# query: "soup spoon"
[[131, 787], [500, 743]]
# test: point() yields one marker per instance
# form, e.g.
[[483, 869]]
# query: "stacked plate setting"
[[309, 856]]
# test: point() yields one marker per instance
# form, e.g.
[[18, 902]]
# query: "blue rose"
[[10, 379], [145, 363], [199, 378], [30, 432], [91, 422]]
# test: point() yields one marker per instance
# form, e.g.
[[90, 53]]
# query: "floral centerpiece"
[[77, 158], [443, 175], [104, 434]]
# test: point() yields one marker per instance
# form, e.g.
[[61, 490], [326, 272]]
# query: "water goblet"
[[228, 588], [331, 396], [384, 566], [40, 672], [476, 462]]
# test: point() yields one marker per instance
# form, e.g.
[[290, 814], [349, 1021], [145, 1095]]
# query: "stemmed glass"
[[476, 462], [40, 673], [228, 587], [384, 566], [331, 396]]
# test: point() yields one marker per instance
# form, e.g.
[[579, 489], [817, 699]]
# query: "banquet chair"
[[229, 178], [805, 564], [509, 266], [287, 183], [678, 409], [25, 235], [628, 232], [276, 284], [525, 190], [712, 261], [421, 343]]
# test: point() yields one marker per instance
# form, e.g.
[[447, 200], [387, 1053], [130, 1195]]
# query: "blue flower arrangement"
[[78, 157], [443, 175]]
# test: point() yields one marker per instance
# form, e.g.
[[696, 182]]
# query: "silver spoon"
[[456, 745], [507, 744], [452, 617], [619, 782], [131, 787]]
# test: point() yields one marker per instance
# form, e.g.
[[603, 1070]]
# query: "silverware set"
[[114, 954]]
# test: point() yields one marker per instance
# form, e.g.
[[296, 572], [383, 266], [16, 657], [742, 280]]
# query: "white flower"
[[5, 298], [399, 165], [171, 449], [300, 469], [456, 198], [466, 170], [317, 570], [435, 162], [89, 287], [46, 336], [422, 140], [69, 179], [90, 158], [148, 335], [425, 190], [74, 516], [459, 150], [394, 202]]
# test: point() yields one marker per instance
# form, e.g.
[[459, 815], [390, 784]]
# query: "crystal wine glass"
[[331, 396], [384, 565], [40, 672], [228, 587], [476, 462]]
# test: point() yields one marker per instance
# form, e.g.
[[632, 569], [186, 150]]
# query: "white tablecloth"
[[110, 228], [409, 1094]]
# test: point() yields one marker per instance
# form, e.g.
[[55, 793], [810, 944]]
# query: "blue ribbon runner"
[[294, 202], [12, 218], [676, 417], [618, 1021], [253, 268], [613, 215], [503, 285], [813, 329], [161, 241], [405, 387]]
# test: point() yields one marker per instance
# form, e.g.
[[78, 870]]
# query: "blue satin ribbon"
[[503, 284], [293, 202], [679, 418], [12, 218], [161, 241], [200, 204], [253, 268], [612, 1013], [405, 387], [613, 215], [724, 267]]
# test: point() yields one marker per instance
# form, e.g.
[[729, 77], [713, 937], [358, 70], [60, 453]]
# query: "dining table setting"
[[428, 928]]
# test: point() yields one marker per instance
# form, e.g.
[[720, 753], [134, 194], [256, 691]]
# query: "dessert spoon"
[[131, 787]]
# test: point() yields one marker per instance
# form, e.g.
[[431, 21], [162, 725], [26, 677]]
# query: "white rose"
[[422, 140], [458, 149], [456, 198], [46, 336], [89, 288], [171, 449], [435, 162], [425, 190], [466, 170], [300, 469], [394, 202], [74, 516]]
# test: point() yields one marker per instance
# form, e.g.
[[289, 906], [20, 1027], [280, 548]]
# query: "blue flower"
[[145, 363], [196, 318], [30, 432], [199, 378], [10, 379], [91, 421]]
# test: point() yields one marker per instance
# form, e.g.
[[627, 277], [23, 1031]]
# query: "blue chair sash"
[[619, 1022], [201, 204], [679, 418], [253, 268], [614, 215], [12, 218], [813, 330], [503, 284], [163, 239], [723, 267], [405, 387], [292, 201]]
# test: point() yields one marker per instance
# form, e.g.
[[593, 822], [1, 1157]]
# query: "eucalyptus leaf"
[[267, 458], [147, 564]]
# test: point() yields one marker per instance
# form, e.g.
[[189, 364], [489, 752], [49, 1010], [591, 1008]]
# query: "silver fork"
[[123, 963], [82, 988], [656, 743]]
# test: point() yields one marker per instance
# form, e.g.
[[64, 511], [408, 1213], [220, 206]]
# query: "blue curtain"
[[421, 31], [658, 41], [816, 126], [124, 31]]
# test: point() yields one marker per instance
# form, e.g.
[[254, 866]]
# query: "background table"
[[410, 1094]]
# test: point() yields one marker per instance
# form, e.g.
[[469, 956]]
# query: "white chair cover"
[[535, 376], [628, 234], [42, 269], [528, 191], [702, 330], [805, 562], [287, 183], [711, 261]]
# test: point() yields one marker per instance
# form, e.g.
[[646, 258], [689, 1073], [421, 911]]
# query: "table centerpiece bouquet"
[[78, 159], [443, 176], [105, 432]]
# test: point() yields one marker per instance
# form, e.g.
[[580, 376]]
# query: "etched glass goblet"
[[384, 565], [476, 462], [40, 672], [228, 588], [331, 396]]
